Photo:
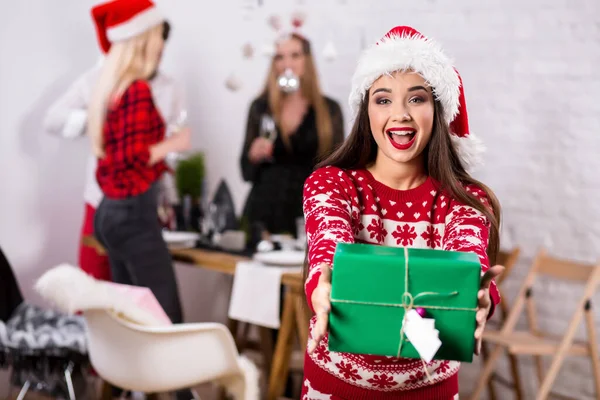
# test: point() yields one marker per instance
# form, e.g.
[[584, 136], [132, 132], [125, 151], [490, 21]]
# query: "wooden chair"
[[532, 341], [508, 259]]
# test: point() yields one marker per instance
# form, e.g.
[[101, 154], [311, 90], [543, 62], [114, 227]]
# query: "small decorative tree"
[[189, 175]]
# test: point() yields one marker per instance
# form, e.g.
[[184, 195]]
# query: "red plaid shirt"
[[132, 125]]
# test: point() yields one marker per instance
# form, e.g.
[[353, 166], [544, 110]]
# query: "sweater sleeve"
[[67, 116], [467, 230], [328, 214]]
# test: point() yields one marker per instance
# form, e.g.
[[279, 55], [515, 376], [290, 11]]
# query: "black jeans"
[[130, 232]]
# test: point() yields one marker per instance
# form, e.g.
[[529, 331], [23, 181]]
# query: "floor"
[[206, 392]]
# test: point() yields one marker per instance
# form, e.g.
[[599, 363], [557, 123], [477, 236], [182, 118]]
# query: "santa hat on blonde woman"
[[119, 20], [404, 48]]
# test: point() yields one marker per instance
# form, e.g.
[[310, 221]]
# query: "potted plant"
[[189, 176]]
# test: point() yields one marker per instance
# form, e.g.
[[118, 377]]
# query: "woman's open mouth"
[[402, 138]]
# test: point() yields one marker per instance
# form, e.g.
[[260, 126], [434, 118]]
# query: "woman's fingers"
[[491, 274], [319, 330], [322, 305], [481, 316], [483, 299]]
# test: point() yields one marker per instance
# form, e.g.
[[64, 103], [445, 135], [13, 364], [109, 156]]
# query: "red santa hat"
[[404, 48], [119, 20]]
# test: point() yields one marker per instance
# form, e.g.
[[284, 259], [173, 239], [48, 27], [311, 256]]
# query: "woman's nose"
[[400, 113]]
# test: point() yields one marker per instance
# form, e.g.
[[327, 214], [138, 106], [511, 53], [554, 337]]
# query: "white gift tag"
[[429, 323], [422, 335]]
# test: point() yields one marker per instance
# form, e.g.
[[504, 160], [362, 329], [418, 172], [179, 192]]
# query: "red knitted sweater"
[[351, 206]]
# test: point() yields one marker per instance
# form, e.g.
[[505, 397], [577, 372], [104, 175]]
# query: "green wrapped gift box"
[[370, 297]]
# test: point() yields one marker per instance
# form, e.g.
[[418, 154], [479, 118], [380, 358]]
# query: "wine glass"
[[267, 128], [178, 125]]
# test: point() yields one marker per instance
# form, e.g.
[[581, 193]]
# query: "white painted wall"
[[531, 77]]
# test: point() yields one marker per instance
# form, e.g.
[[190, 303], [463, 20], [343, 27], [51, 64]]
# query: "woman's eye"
[[383, 101], [416, 100]]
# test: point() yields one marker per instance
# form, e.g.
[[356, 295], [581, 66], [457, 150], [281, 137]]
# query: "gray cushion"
[[32, 329]]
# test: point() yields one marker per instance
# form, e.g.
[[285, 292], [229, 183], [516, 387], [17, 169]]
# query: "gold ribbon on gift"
[[408, 303]]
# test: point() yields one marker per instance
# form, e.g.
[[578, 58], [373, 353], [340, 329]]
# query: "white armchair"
[[149, 358], [166, 358]]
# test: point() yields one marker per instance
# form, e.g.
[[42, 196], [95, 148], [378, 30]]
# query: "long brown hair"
[[443, 164], [311, 90]]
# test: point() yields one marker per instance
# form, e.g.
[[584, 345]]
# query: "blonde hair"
[[125, 62], [311, 90]]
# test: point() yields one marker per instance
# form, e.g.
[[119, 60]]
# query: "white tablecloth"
[[255, 296]]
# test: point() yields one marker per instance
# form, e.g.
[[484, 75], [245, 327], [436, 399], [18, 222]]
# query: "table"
[[294, 319]]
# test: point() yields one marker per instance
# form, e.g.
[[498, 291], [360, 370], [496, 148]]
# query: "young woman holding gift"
[[400, 179]]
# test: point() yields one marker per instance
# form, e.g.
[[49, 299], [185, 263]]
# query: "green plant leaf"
[[189, 174]]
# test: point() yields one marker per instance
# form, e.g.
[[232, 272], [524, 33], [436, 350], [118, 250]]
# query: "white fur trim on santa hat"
[[143, 21], [400, 53], [470, 150]]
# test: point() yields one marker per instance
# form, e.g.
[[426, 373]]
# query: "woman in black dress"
[[287, 132]]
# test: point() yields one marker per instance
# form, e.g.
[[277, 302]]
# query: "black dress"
[[276, 196]]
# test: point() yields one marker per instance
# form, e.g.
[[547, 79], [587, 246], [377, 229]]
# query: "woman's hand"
[[183, 139], [484, 303], [178, 142], [260, 150], [321, 301]]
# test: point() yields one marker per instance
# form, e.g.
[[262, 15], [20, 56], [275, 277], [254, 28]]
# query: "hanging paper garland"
[[269, 48], [298, 19], [275, 22], [248, 51], [233, 82], [329, 51]]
